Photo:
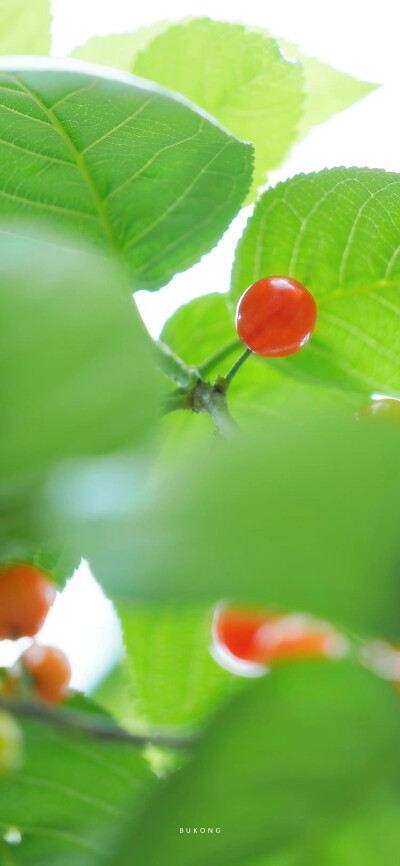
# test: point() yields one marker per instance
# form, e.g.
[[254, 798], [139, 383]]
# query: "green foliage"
[[267, 518], [238, 75], [69, 798], [75, 360], [327, 90], [286, 766], [173, 680], [25, 27], [119, 49], [299, 512], [101, 144], [338, 233]]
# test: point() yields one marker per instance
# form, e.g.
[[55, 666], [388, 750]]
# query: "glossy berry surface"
[[276, 317], [26, 595], [255, 636], [385, 409], [50, 671]]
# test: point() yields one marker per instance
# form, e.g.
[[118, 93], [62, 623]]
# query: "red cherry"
[[26, 595], [276, 317], [255, 636], [235, 630], [50, 671]]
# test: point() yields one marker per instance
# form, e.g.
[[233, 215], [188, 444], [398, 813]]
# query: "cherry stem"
[[210, 363], [237, 365], [89, 725]]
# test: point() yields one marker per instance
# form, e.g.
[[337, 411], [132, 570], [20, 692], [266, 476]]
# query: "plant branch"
[[212, 399], [237, 365], [175, 400], [89, 725]]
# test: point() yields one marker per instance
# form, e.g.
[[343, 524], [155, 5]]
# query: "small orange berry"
[[50, 671], [26, 595]]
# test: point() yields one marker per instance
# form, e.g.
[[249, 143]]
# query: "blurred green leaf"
[[173, 367], [289, 762], [173, 680], [76, 369], [70, 797], [238, 75], [25, 27], [338, 233], [88, 153], [327, 90], [297, 518]]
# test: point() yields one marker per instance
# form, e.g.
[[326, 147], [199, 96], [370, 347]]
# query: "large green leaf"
[[173, 680], [292, 761], [238, 75], [123, 163], [70, 798], [25, 27], [302, 519], [338, 233], [76, 367]]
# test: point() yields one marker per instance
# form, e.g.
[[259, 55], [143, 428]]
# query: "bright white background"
[[358, 36]]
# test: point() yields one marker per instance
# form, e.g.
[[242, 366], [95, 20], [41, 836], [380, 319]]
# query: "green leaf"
[[288, 763], [338, 233], [120, 162], [238, 75], [76, 369], [299, 521], [119, 49], [70, 797], [173, 680], [327, 90], [25, 27]]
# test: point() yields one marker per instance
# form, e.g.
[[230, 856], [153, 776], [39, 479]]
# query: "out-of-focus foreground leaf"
[[77, 375], [296, 518], [298, 760], [70, 798]]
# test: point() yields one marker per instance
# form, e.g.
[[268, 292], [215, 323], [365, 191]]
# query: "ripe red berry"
[[235, 629], [276, 317], [385, 409], [26, 595], [50, 671], [258, 637]]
